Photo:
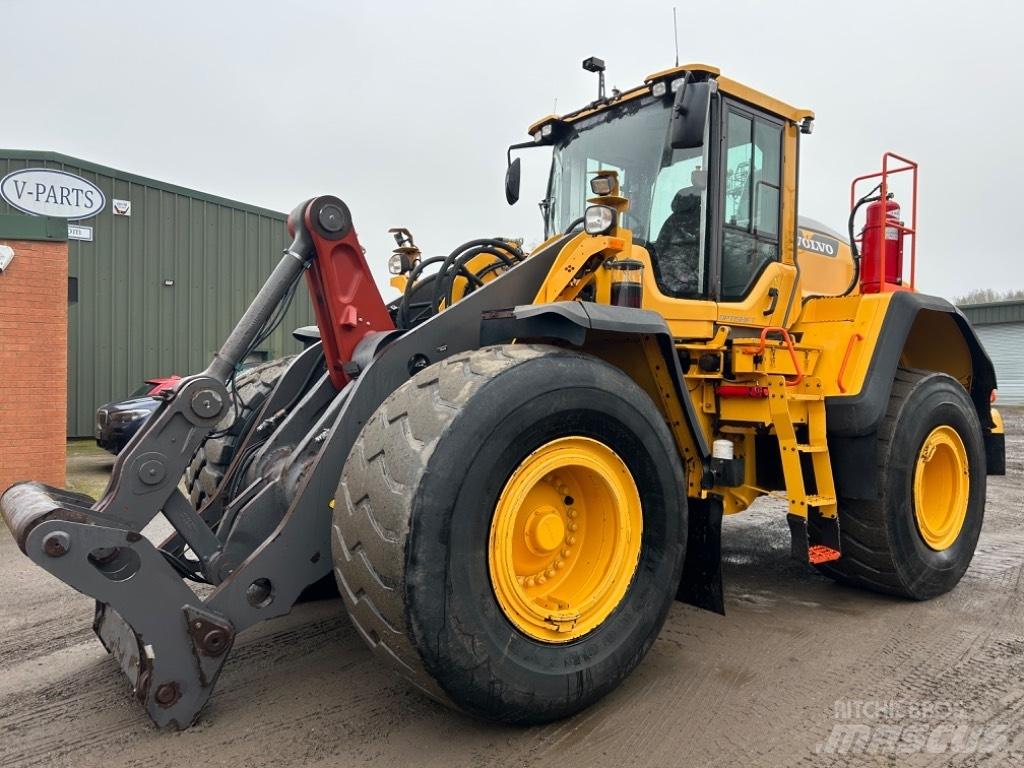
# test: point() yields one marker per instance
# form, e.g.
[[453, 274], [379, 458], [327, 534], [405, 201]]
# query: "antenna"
[[675, 31]]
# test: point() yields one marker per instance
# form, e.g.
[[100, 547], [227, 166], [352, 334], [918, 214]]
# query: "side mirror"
[[690, 114], [512, 182]]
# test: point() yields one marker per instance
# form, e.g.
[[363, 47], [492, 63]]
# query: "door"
[[751, 284]]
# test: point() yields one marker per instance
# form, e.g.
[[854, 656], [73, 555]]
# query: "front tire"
[[420, 503], [917, 539]]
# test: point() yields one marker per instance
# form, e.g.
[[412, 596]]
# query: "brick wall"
[[33, 362]]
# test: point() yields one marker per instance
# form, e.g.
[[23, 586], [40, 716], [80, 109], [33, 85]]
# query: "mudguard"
[[861, 414]]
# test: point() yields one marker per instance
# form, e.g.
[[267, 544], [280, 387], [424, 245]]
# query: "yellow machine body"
[[803, 330]]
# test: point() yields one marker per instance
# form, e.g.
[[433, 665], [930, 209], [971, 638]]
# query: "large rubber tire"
[[882, 547], [414, 510], [211, 461]]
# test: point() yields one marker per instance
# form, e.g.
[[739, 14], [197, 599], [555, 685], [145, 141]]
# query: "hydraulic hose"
[[440, 284], [870, 197], [441, 287]]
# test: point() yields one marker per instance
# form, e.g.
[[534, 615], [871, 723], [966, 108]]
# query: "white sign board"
[[79, 232], [122, 207], [46, 192]]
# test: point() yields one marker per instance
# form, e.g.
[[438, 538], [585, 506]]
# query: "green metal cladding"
[[160, 289]]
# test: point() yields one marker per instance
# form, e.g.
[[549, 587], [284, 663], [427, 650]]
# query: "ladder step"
[[804, 448], [820, 501], [795, 396]]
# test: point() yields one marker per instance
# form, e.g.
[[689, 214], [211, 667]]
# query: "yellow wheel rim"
[[565, 539], [941, 486]]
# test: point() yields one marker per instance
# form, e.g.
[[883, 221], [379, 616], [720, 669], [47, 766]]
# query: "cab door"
[[749, 278]]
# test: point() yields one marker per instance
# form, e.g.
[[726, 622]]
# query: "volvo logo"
[[817, 243]]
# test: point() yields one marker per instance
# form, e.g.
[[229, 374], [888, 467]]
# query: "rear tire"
[[884, 545], [413, 542]]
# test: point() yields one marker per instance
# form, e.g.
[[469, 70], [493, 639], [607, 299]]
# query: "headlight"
[[126, 416], [396, 264], [658, 89], [598, 219]]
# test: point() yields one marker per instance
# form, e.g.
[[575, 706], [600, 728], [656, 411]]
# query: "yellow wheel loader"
[[513, 469]]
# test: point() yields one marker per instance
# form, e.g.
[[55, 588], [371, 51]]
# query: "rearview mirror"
[[512, 182], [690, 114]]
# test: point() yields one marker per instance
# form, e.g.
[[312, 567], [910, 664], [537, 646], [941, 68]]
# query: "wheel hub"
[[565, 539], [545, 530], [941, 488]]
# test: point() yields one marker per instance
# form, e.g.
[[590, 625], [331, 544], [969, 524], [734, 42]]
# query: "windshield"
[[665, 187]]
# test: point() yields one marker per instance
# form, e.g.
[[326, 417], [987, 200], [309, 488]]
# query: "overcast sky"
[[405, 109]]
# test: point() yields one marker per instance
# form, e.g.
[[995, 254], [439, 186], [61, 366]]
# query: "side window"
[[676, 222], [752, 195]]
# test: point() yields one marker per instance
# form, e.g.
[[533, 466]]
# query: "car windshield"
[[665, 187], [142, 391]]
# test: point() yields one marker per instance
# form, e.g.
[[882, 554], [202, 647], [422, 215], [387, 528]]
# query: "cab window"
[[676, 225], [751, 189]]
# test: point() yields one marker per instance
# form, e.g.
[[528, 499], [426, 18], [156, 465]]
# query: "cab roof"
[[725, 85]]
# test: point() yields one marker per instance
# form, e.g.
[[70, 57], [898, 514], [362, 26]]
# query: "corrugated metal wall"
[[127, 325], [1000, 326], [1004, 343]]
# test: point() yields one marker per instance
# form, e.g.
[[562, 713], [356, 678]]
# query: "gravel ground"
[[800, 672]]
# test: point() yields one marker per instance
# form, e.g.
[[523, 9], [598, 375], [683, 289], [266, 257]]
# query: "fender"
[[575, 322], [861, 414]]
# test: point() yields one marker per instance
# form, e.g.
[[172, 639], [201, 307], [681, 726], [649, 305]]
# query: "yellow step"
[[820, 501], [804, 448]]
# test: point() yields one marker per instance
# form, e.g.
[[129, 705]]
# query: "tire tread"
[[387, 461]]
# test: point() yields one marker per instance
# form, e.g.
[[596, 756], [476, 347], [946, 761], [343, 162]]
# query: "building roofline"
[[134, 178], [987, 304]]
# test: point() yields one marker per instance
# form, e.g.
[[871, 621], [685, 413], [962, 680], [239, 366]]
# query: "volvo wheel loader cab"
[[515, 467]]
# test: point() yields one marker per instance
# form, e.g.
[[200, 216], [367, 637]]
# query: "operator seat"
[[677, 247]]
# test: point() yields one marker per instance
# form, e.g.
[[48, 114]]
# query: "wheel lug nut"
[[541, 579], [572, 513], [566, 552], [521, 580], [550, 573], [559, 563], [573, 527], [571, 540]]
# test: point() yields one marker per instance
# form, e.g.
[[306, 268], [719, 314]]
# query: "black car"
[[117, 423]]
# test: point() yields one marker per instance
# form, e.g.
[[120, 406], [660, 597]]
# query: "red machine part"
[[346, 301], [741, 390]]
